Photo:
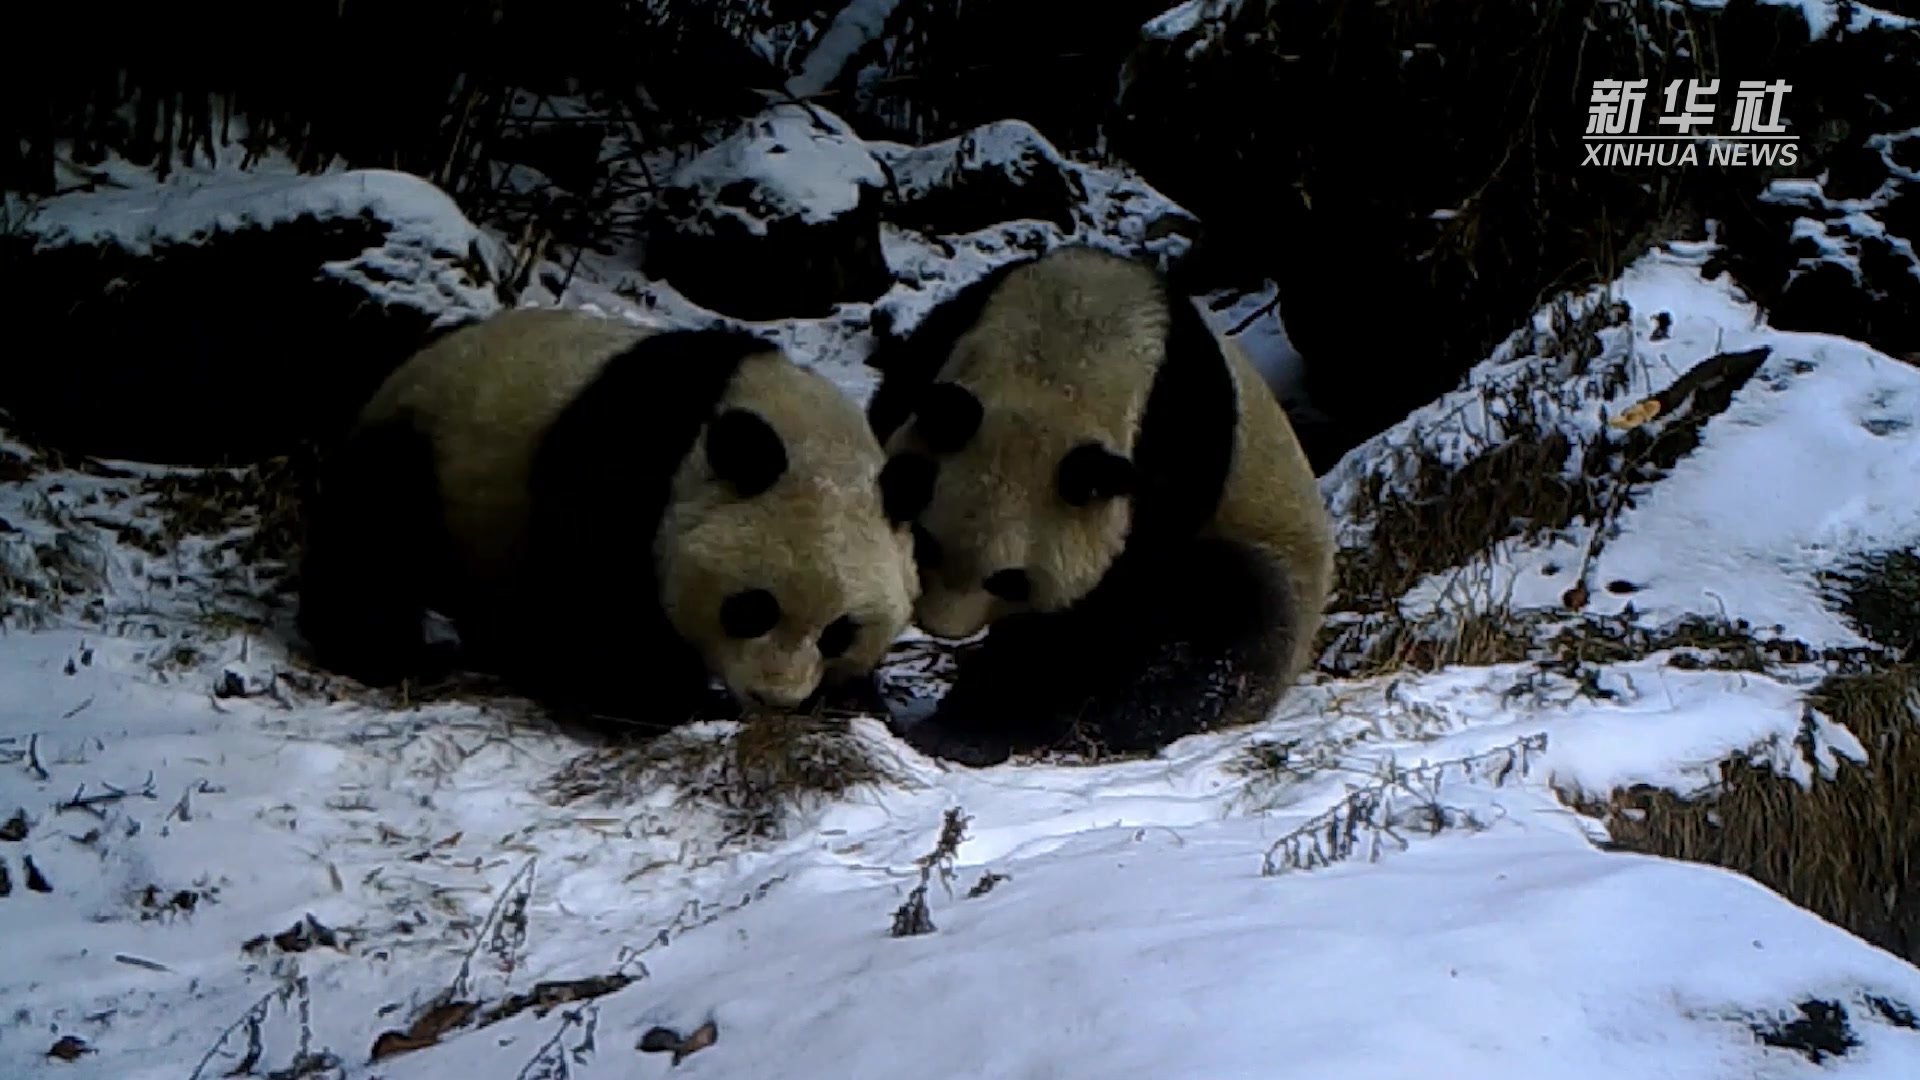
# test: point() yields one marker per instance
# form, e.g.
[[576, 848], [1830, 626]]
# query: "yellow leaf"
[[1636, 414]]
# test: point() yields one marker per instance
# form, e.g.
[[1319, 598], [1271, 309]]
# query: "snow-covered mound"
[[323, 284], [426, 255], [1809, 461], [240, 865]]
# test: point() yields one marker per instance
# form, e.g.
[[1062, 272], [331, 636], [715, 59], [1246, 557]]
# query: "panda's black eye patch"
[[745, 451], [1012, 585], [1091, 471], [948, 415], [906, 485], [927, 551], [749, 614], [837, 638]]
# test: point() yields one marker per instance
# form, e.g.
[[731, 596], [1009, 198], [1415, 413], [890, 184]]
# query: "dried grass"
[[1846, 848], [752, 773], [1879, 592], [262, 500]]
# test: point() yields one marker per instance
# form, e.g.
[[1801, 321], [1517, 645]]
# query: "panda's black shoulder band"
[[908, 364], [745, 452], [639, 417], [948, 416]]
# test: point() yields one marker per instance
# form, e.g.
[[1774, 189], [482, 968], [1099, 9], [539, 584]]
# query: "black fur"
[[600, 483], [1182, 633], [1091, 471], [1188, 642], [909, 365], [745, 452], [1011, 584], [838, 637], [749, 613], [906, 485], [374, 542], [927, 552], [947, 416], [1184, 449]]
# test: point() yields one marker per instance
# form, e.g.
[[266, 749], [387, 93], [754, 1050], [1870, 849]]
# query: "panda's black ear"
[[745, 451], [948, 415], [1091, 471], [906, 485]]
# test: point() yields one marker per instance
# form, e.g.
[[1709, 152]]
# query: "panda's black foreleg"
[[589, 648], [1184, 640], [1015, 690], [373, 529], [1211, 653]]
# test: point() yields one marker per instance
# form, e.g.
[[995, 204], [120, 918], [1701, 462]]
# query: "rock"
[[1840, 261], [223, 321], [779, 220], [1003, 171]]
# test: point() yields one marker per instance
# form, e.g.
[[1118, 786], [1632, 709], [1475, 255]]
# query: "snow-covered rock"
[[1841, 252], [1000, 172], [213, 316], [780, 219]]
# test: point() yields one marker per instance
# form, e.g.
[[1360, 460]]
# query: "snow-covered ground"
[[230, 871]]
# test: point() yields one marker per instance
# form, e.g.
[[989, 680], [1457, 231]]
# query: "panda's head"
[[777, 561], [1016, 461], [1018, 502]]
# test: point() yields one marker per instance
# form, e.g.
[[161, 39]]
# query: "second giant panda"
[[1109, 485], [610, 514]]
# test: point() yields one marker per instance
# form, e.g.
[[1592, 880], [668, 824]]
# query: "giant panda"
[[1109, 485], [611, 516]]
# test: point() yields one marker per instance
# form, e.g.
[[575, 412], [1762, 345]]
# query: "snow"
[[1823, 16], [1806, 466], [1839, 225], [1149, 922], [857, 25], [798, 160], [425, 228], [1262, 335], [1177, 20], [180, 213]]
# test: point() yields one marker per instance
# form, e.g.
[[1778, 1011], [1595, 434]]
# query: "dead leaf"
[[665, 1039], [69, 1048], [1636, 414], [424, 1031]]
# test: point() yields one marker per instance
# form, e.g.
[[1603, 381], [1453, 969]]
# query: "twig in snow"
[[550, 1062], [137, 961], [912, 917], [1368, 813], [184, 808], [503, 932], [33, 757], [251, 1021], [83, 801]]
